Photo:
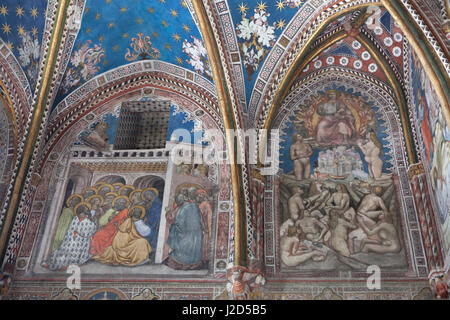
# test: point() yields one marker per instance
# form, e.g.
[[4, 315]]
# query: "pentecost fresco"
[[118, 225], [338, 205]]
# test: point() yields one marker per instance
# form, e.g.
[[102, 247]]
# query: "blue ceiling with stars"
[[117, 32], [114, 33], [258, 25], [21, 28]]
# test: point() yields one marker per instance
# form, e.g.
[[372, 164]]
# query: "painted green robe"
[[105, 218], [65, 220]]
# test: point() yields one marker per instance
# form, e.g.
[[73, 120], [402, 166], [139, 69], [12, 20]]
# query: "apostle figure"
[[107, 204], [65, 219], [117, 186], [104, 237], [88, 192], [104, 188], [129, 247], [126, 190], [117, 205], [74, 248], [135, 197], [153, 205], [336, 126], [185, 236], [96, 202]]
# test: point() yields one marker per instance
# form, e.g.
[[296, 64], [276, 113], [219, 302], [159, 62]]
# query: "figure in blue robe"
[[152, 218], [186, 238]]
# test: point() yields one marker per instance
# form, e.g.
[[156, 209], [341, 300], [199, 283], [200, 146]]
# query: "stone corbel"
[[438, 280], [242, 282], [5, 282]]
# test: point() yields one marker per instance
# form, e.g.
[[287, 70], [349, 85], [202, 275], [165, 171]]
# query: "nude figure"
[[371, 207], [319, 200], [300, 153], [368, 213], [339, 201], [385, 230], [371, 150], [295, 204], [295, 252], [339, 233], [285, 227], [313, 228]]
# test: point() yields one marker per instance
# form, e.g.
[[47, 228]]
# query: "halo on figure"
[[137, 207], [111, 194], [149, 189], [133, 192], [121, 197], [75, 195], [106, 185], [96, 196], [126, 187], [98, 184], [81, 204], [89, 189], [117, 186], [188, 186]]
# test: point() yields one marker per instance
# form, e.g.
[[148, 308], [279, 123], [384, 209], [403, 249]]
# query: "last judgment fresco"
[[338, 204]]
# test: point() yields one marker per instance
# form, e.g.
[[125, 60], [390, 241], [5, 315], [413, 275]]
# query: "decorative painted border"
[[215, 290], [300, 29], [16, 82], [140, 68], [434, 21], [55, 9], [51, 13], [428, 34], [227, 32], [238, 124], [71, 30]]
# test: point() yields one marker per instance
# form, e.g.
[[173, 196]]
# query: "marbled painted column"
[[257, 193], [426, 216]]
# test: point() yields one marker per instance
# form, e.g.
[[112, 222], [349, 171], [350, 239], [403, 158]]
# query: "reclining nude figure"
[[295, 252], [368, 213], [385, 230]]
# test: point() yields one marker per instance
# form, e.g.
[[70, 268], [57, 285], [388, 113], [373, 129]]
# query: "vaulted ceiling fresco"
[[96, 94], [258, 26], [22, 26], [352, 54], [114, 33]]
